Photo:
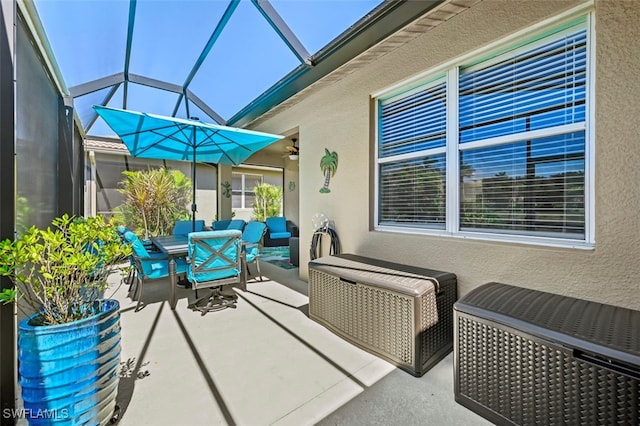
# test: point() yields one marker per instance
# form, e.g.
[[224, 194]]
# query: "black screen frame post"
[[7, 206]]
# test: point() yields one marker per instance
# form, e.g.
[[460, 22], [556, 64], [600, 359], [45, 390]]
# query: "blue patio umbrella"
[[171, 138]]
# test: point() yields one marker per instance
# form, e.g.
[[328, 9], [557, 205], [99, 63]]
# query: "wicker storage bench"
[[401, 313], [528, 357]]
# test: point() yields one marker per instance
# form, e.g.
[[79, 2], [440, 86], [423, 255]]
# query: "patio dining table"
[[173, 246]]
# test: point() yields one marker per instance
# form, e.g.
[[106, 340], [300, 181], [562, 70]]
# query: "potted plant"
[[69, 349]]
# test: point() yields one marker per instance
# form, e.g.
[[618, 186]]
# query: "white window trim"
[[452, 199], [517, 137], [453, 148], [243, 190]]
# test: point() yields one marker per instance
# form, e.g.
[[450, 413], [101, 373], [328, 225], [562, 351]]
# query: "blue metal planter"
[[69, 372]]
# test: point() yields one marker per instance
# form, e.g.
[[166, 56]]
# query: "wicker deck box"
[[527, 357], [401, 313]]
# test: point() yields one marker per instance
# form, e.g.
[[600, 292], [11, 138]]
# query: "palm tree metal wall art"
[[328, 165]]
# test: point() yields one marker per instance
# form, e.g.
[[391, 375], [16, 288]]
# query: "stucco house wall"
[[274, 157], [338, 118]]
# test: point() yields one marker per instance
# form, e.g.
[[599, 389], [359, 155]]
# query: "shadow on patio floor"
[[264, 363]]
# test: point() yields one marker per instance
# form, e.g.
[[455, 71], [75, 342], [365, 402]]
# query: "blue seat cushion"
[[278, 235], [276, 225], [138, 247], [251, 252], [236, 224], [253, 232], [183, 227], [160, 269], [205, 277], [220, 225], [122, 229], [152, 268]]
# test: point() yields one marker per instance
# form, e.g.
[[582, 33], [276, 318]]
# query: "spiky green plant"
[[154, 200]]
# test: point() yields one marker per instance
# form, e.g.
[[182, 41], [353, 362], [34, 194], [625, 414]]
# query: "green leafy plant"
[[62, 271], [154, 200], [268, 201]]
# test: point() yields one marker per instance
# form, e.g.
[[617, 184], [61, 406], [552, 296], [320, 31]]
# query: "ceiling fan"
[[293, 151]]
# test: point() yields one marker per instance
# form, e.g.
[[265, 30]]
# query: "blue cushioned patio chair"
[[215, 261], [151, 249], [251, 237], [279, 230], [222, 225], [131, 275], [183, 227], [149, 266]]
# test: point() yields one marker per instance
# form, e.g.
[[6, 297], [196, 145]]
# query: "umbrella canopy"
[[170, 138]]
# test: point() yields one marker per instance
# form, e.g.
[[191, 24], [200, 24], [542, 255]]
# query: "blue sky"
[[88, 38]]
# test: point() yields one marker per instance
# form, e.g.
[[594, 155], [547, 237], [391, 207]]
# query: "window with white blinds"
[[520, 149], [530, 187], [413, 122], [412, 192], [411, 158]]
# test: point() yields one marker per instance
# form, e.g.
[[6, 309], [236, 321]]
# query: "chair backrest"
[[277, 224], [253, 232], [238, 224], [140, 252], [183, 227], [215, 256], [221, 225], [138, 248], [122, 229]]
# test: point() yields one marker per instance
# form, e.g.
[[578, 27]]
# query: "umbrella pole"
[[193, 182]]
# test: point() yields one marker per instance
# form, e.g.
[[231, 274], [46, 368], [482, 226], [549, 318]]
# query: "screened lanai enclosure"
[[226, 62], [212, 76], [212, 60]]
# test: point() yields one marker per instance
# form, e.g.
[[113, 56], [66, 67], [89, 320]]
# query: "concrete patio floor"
[[264, 363]]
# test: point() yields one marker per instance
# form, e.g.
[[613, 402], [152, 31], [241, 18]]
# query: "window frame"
[[523, 40], [242, 192], [434, 81]]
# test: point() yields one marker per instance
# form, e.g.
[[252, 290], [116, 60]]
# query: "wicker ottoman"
[[527, 357], [401, 313]]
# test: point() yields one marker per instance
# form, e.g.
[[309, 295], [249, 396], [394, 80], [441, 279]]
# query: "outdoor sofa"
[[228, 224]]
